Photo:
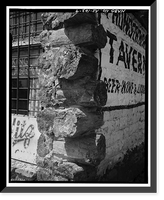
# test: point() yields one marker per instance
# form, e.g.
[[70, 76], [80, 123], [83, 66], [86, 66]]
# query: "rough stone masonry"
[[69, 148], [90, 129]]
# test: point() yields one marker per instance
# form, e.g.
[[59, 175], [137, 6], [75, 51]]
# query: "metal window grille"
[[25, 28]]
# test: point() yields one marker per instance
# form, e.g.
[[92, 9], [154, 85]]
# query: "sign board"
[[23, 72], [25, 41], [123, 59], [24, 139]]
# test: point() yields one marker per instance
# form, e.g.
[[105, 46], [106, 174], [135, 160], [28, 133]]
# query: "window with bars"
[[24, 27], [23, 21]]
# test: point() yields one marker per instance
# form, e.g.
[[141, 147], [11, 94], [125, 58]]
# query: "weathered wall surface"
[[123, 71], [123, 130], [92, 91], [122, 61]]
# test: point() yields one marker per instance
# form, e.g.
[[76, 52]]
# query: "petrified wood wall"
[[70, 93]]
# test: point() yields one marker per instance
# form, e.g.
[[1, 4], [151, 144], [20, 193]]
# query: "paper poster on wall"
[[24, 138]]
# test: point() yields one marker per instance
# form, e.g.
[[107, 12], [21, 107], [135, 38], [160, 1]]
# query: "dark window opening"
[[25, 20], [25, 28]]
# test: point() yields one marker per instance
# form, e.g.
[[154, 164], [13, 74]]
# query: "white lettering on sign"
[[25, 135], [23, 71], [130, 26], [123, 65], [25, 41], [22, 62]]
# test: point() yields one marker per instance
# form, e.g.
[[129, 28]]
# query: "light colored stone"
[[68, 122]]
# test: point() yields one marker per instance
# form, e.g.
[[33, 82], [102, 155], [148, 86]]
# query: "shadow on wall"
[[132, 169]]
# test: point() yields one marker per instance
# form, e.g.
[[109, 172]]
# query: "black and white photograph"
[[78, 110]]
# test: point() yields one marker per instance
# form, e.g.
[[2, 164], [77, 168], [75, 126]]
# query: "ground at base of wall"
[[132, 169], [19, 178], [119, 176], [140, 178]]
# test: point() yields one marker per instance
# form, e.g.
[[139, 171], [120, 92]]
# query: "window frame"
[[24, 20]]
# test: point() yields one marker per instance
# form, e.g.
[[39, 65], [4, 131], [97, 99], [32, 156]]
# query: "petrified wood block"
[[63, 92], [68, 122], [83, 35], [69, 61], [86, 92], [64, 19], [78, 91], [87, 150], [66, 171]]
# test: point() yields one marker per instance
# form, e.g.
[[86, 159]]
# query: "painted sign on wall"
[[24, 139], [123, 62]]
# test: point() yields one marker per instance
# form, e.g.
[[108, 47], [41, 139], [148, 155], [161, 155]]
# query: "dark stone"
[[85, 91], [69, 62], [100, 93], [72, 62], [64, 19], [82, 35], [88, 150], [77, 92]]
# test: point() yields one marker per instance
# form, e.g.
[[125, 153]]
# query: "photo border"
[[153, 135]]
